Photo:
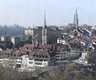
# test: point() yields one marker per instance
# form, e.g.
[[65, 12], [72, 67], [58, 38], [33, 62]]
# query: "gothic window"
[[44, 31]]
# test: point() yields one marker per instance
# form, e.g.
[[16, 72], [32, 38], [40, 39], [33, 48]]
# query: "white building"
[[65, 55], [82, 59], [29, 63], [61, 41]]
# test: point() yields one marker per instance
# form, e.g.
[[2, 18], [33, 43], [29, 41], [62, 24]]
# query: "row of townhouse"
[[30, 58], [65, 56], [25, 59]]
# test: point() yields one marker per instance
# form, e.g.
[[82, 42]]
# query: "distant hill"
[[13, 30]]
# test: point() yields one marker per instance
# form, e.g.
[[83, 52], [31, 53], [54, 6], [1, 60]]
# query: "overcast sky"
[[58, 12]]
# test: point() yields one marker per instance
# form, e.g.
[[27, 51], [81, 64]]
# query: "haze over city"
[[47, 39], [58, 12]]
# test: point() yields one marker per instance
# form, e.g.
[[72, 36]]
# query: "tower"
[[76, 21], [44, 30]]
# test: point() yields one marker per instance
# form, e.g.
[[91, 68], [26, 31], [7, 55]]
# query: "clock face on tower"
[[44, 32]]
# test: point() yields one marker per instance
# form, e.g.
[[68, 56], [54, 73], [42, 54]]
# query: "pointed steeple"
[[44, 30], [45, 26], [76, 21]]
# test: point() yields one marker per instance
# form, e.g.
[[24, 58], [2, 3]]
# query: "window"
[[44, 31], [44, 63], [38, 60], [18, 61], [30, 62], [38, 63], [42, 56], [46, 56], [30, 58], [39, 55]]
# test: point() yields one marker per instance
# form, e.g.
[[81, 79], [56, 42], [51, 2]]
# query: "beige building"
[[29, 32]]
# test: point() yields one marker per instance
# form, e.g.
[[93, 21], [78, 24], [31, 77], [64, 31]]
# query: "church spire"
[[45, 26], [76, 21]]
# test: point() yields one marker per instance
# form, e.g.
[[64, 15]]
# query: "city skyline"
[[58, 12]]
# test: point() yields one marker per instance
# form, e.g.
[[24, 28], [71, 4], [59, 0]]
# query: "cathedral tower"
[[44, 30], [76, 20]]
